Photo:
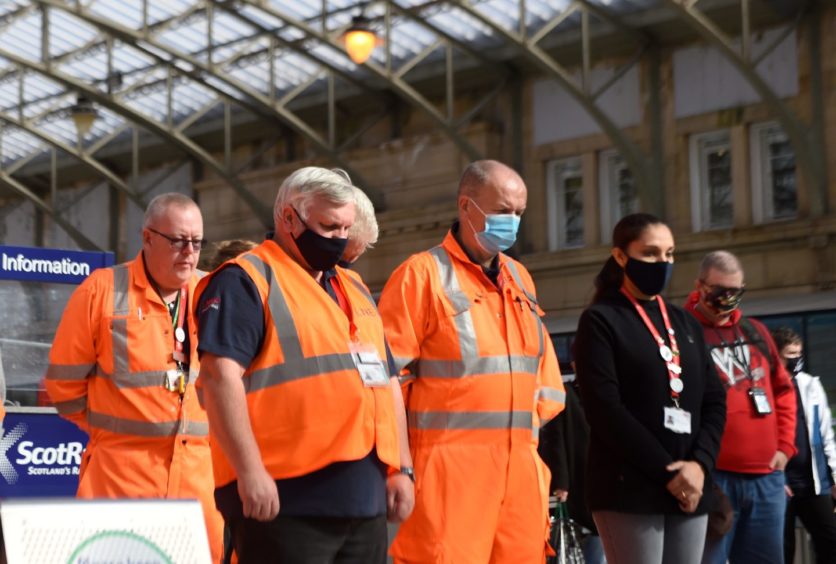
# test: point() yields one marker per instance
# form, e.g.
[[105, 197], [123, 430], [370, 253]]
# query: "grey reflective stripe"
[[296, 369], [406, 378], [119, 336], [119, 330], [363, 290], [516, 274], [551, 394], [120, 290], [461, 303], [295, 366], [470, 420], [69, 371], [479, 365], [146, 428], [401, 362], [279, 311], [125, 379], [71, 406]]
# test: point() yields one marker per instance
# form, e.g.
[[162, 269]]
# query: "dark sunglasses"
[[724, 296]]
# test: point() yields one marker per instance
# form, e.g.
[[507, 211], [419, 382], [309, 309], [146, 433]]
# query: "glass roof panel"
[[239, 50]]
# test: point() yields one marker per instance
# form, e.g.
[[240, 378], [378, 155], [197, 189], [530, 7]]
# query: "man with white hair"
[[759, 437], [309, 435], [363, 234]]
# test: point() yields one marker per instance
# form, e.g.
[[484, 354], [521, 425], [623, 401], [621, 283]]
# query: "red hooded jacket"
[[750, 440]]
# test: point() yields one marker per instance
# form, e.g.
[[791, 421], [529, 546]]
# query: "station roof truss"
[[164, 67]]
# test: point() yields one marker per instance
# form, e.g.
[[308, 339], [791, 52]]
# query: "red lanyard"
[[179, 332], [345, 305], [669, 354]]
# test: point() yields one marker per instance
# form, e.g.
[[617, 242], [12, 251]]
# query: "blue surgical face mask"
[[500, 230]]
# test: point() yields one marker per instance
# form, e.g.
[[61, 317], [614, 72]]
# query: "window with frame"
[[712, 200], [565, 201], [774, 187], [619, 196]]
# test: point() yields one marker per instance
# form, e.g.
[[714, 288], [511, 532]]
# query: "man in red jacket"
[[760, 425]]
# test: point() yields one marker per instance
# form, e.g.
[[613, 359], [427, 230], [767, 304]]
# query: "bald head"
[[487, 174]]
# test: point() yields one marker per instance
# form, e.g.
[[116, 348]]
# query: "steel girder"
[[253, 100], [111, 177], [810, 155], [20, 189], [392, 78], [648, 185], [172, 135]]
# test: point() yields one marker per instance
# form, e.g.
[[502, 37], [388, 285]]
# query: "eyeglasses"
[[180, 244]]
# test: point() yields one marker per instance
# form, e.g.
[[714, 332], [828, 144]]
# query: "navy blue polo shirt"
[[231, 325]]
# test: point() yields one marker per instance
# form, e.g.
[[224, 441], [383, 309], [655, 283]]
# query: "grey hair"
[[364, 232], [723, 261], [306, 184], [160, 205]]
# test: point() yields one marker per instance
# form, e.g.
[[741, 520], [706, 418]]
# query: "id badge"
[[173, 379], [760, 401], [678, 420], [373, 372]]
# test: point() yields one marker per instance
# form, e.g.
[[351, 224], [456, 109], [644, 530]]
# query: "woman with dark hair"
[[655, 406]]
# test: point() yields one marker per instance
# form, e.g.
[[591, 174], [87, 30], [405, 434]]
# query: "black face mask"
[[321, 253], [649, 277], [794, 365]]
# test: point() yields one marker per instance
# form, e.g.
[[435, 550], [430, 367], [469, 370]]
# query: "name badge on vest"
[[373, 371], [760, 400], [174, 380], [678, 420]]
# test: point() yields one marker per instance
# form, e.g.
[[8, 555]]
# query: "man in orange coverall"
[[481, 377], [123, 366]]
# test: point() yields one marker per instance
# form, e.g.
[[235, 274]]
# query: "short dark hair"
[[784, 336]]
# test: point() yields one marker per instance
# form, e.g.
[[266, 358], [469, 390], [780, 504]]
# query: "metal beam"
[[809, 155], [111, 177], [648, 186], [401, 87], [20, 189], [262, 211], [255, 101]]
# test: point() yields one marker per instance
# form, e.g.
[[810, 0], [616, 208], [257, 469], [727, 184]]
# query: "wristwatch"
[[409, 472]]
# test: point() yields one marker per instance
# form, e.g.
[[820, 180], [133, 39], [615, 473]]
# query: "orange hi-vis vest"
[[472, 373], [107, 370], [307, 404], [480, 378]]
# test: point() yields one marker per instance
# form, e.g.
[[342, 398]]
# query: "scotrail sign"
[[35, 264], [40, 455]]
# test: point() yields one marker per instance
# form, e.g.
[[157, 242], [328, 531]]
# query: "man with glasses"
[[759, 437], [123, 367]]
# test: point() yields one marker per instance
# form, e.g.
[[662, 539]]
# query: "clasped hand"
[[687, 485]]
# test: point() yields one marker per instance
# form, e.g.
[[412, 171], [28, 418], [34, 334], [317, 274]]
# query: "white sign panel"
[[76, 531]]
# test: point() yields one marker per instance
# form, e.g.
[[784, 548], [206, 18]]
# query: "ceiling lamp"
[[84, 114], [360, 40]]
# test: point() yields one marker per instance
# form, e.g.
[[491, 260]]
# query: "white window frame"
[[609, 163], [759, 134], [555, 200], [700, 204]]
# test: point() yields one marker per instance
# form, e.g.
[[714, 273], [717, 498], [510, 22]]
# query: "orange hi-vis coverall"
[[307, 404], [107, 370], [480, 378]]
